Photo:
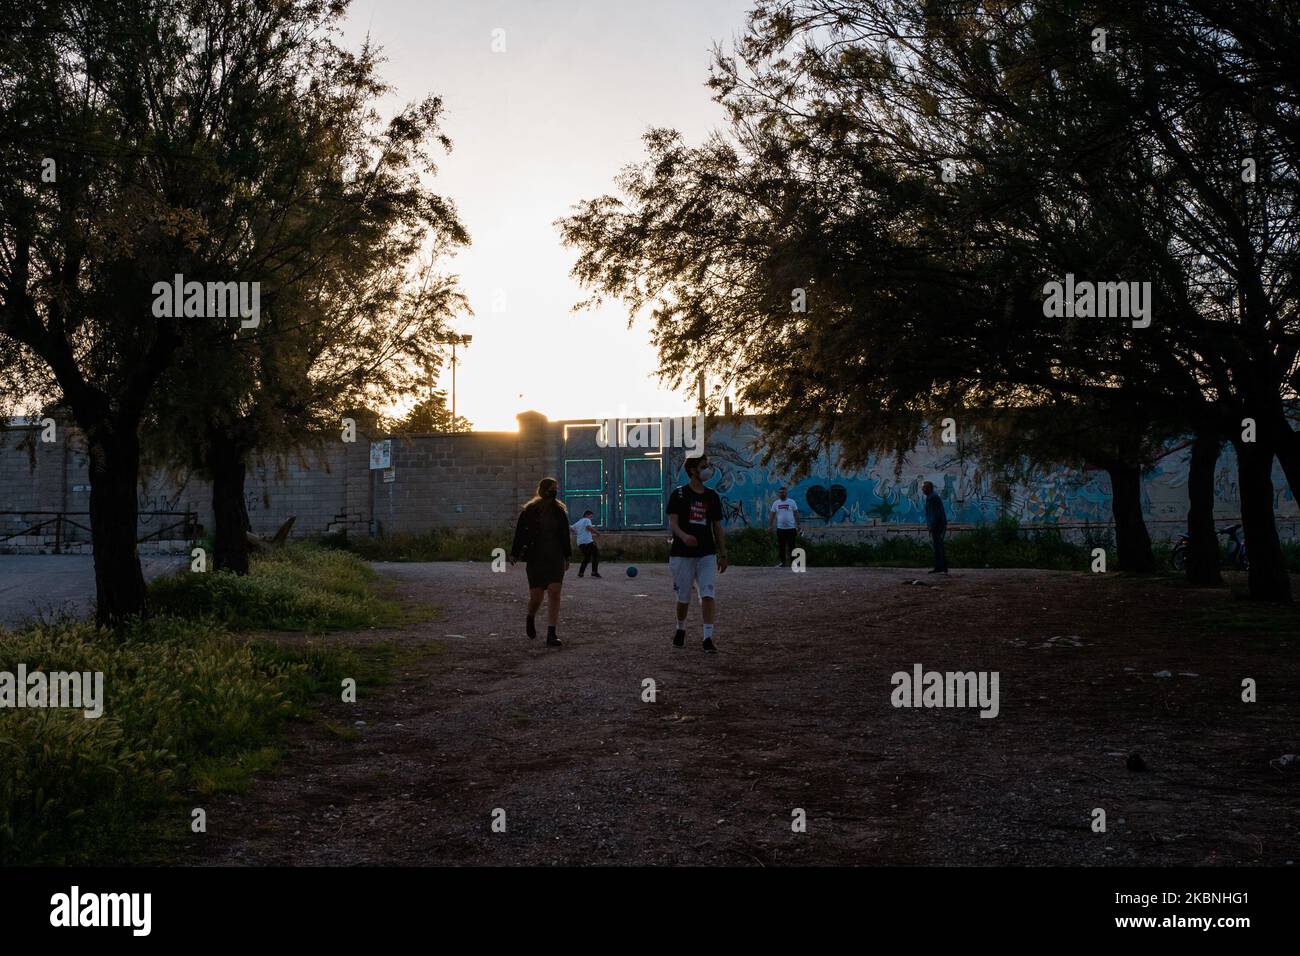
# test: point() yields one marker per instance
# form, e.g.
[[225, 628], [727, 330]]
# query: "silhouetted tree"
[[430, 415], [916, 173], [225, 141]]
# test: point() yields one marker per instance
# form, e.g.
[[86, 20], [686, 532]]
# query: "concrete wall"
[[475, 480], [472, 480]]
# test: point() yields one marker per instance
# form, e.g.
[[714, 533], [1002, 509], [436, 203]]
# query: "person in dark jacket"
[[936, 520], [542, 543]]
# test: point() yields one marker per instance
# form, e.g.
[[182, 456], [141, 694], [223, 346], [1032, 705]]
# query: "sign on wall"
[[381, 454]]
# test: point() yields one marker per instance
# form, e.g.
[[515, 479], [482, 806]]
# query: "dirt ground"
[[794, 712]]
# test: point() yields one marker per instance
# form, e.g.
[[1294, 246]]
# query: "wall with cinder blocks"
[[472, 480]]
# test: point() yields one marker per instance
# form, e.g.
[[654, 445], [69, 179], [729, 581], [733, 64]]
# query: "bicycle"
[[1236, 550]]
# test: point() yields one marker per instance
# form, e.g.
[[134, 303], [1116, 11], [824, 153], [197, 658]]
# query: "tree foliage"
[[919, 172], [224, 141]]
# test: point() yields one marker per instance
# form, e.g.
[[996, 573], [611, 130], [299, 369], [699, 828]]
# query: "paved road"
[[45, 584]]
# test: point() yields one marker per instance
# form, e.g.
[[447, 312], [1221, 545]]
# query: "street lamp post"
[[454, 340]]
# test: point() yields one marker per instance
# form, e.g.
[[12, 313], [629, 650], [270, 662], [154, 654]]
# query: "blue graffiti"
[[887, 491]]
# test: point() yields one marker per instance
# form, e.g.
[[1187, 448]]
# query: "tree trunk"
[[1288, 453], [114, 454], [229, 508], [1203, 542], [1132, 542], [1268, 578]]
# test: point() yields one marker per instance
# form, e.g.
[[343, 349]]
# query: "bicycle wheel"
[[1179, 558]]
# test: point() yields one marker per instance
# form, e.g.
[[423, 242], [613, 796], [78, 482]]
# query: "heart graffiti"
[[826, 503]]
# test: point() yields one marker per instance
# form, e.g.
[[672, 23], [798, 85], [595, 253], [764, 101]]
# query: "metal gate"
[[623, 486]]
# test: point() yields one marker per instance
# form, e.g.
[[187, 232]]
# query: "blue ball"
[[631, 571]]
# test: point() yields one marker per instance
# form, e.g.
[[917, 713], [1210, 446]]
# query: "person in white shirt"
[[785, 519], [586, 531]]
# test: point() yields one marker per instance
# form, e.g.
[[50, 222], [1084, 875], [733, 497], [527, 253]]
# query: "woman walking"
[[542, 542]]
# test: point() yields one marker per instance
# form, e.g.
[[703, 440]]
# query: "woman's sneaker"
[[708, 646], [679, 638]]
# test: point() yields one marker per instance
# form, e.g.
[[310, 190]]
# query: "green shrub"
[[299, 587], [646, 548], [1001, 545], [1006, 545], [433, 545], [176, 694], [187, 705], [1290, 555], [751, 546]]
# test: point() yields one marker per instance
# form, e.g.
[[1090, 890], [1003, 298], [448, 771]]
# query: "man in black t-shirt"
[[699, 549]]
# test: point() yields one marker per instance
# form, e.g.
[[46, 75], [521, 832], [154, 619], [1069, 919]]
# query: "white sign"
[[381, 454], [390, 476]]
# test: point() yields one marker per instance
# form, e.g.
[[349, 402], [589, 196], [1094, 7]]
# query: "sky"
[[535, 129]]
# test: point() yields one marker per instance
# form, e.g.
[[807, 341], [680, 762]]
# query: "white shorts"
[[697, 571]]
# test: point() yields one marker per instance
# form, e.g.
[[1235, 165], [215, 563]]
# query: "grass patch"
[[1290, 556], [217, 774], [187, 706], [190, 708], [434, 545], [296, 588]]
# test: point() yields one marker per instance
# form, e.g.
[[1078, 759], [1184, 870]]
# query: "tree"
[[917, 174], [1084, 435], [351, 323], [83, 244], [430, 415], [193, 137]]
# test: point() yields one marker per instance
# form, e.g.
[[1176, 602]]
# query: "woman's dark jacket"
[[529, 529]]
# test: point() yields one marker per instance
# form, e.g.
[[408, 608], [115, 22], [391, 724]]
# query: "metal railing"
[[35, 522]]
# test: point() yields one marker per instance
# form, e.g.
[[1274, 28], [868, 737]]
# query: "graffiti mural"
[[879, 494]]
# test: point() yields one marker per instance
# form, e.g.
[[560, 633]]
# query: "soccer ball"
[[631, 571]]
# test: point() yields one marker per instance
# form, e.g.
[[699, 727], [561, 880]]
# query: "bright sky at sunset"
[[535, 129]]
